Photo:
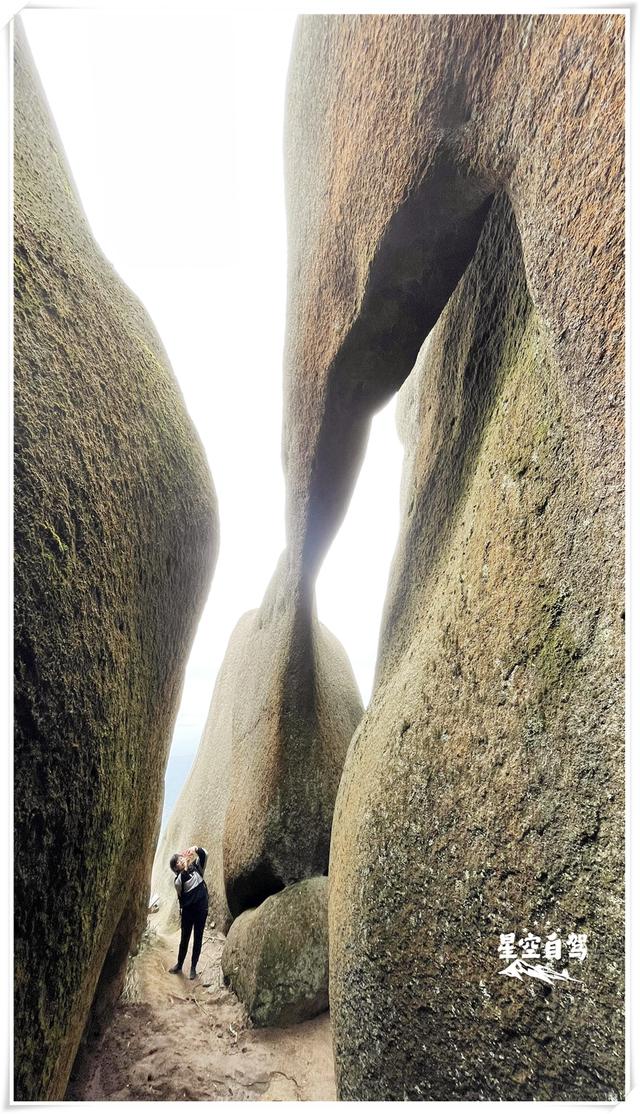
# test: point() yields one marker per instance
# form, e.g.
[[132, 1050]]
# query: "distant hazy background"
[[172, 125]]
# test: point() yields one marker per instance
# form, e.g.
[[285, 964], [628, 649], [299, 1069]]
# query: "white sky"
[[173, 131]]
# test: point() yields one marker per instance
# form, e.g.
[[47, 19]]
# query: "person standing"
[[193, 898]]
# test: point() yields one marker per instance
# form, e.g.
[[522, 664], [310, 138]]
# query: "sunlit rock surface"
[[466, 173], [115, 534]]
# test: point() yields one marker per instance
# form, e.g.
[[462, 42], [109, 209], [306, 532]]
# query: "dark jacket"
[[191, 887]]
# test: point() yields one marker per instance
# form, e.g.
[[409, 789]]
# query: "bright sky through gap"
[[173, 131]]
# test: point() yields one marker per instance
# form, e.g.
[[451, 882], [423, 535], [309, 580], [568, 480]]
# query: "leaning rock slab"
[[115, 534], [276, 957], [296, 706]]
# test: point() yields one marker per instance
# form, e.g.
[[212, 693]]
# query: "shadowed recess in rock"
[[484, 783]]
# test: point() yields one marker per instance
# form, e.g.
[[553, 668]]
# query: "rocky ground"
[[172, 1039]]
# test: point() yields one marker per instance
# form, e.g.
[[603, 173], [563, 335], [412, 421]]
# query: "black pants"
[[193, 917]]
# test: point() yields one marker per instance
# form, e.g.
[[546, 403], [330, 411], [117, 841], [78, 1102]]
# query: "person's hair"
[[173, 862]]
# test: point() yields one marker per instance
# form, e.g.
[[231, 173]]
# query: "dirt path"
[[171, 1039]]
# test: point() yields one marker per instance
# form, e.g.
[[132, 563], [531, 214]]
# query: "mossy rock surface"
[[115, 539], [455, 204], [276, 957], [476, 788]]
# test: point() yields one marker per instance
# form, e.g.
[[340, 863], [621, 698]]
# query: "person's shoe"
[[177, 970], [193, 974]]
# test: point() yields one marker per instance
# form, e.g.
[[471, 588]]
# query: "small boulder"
[[276, 957]]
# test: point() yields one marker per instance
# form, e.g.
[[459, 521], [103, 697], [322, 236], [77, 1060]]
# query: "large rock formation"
[[475, 793], [296, 707], [276, 957], [261, 792], [483, 792], [199, 812], [115, 526]]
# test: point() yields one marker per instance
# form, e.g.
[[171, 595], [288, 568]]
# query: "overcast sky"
[[173, 128]]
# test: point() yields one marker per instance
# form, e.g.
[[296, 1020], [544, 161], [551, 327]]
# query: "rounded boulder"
[[276, 957]]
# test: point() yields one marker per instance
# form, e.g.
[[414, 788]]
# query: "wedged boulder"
[[466, 173], [115, 538], [198, 814], [276, 957], [296, 706]]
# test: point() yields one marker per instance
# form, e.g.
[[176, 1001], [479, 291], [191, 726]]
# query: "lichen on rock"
[[457, 180], [276, 957], [115, 540], [459, 815]]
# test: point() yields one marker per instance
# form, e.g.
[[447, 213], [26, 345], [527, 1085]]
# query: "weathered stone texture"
[[473, 163], [115, 532], [261, 791], [483, 791], [296, 707], [276, 957]]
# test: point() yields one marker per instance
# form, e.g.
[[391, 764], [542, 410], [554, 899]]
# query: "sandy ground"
[[172, 1039]]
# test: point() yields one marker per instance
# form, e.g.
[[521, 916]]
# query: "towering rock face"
[[115, 533], [472, 163], [483, 793]]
